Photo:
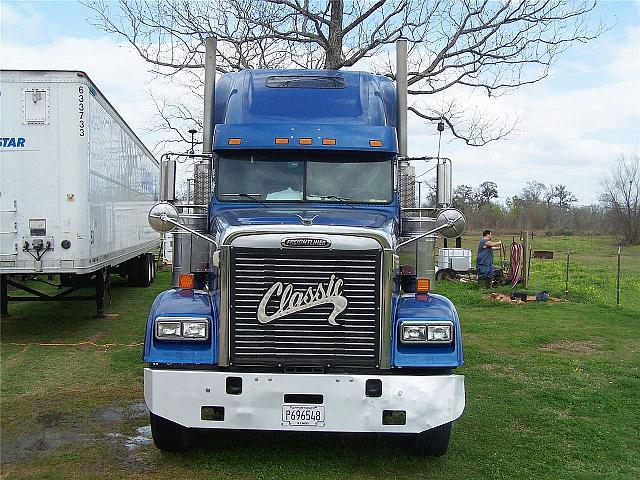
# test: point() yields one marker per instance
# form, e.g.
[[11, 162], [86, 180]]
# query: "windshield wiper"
[[340, 199], [253, 196]]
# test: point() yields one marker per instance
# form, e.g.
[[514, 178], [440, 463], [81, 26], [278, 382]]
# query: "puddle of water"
[[142, 438]]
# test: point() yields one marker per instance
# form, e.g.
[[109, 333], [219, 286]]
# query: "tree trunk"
[[333, 60]]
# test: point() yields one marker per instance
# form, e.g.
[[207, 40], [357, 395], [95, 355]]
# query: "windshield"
[[352, 177]]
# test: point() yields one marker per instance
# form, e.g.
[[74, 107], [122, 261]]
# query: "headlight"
[[194, 329], [182, 328], [426, 332]]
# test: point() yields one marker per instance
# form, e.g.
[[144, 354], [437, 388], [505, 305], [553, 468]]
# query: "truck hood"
[[302, 220]]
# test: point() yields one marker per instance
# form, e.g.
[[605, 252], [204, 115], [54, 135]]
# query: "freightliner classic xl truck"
[[291, 309]]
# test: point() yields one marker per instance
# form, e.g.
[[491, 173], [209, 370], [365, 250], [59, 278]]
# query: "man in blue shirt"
[[484, 257]]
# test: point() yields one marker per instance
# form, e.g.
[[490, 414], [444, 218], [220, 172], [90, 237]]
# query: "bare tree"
[[475, 45], [621, 195]]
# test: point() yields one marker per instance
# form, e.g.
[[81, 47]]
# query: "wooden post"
[[525, 260], [566, 278], [618, 281]]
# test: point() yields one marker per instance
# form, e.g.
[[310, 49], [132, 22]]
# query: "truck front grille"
[[302, 332]]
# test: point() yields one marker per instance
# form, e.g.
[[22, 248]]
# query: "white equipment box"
[[76, 183], [458, 259]]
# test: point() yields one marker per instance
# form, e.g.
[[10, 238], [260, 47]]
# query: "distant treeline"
[[545, 209]]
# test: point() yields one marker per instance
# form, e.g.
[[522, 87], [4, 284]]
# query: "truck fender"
[[183, 303], [433, 308]]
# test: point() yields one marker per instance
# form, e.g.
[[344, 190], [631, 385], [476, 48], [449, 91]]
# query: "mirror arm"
[[165, 218], [411, 240]]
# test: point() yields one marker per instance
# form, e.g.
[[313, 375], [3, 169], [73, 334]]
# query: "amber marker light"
[[185, 280], [305, 141], [282, 141], [375, 143], [423, 285], [235, 141], [328, 141]]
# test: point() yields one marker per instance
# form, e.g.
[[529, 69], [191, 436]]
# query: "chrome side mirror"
[[163, 217], [451, 223]]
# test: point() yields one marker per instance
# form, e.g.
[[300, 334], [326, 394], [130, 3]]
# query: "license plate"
[[303, 415]]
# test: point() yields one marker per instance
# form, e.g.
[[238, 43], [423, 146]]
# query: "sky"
[[571, 126]]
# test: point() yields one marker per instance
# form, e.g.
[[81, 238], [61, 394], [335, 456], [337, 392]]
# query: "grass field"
[[553, 391]]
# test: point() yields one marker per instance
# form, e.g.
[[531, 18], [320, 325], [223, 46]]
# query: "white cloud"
[[568, 134]]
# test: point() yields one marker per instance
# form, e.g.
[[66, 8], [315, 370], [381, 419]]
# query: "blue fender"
[[436, 307], [183, 303]]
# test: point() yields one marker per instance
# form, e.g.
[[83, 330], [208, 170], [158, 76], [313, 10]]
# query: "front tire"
[[168, 436], [433, 442]]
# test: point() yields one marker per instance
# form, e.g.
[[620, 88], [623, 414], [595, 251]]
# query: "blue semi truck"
[[291, 309]]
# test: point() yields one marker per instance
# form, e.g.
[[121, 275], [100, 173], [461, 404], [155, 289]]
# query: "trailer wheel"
[[433, 442], [169, 436], [153, 267], [144, 270]]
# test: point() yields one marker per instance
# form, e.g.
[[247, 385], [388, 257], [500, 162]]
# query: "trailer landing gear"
[[103, 288], [101, 283]]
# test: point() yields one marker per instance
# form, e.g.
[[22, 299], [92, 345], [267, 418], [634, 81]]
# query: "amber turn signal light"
[[423, 285], [328, 141], [282, 141], [185, 280], [235, 141], [375, 143]]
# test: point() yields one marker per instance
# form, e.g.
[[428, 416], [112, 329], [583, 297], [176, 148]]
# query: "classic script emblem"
[[292, 301], [303, 242]]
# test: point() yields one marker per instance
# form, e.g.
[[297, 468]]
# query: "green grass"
[[552, 391]]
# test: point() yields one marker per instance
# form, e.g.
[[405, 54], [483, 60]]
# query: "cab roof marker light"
[[235, 141], [328, 141], [423, 285], [305, 141], [375, 143], [282, 141], [185, 280]]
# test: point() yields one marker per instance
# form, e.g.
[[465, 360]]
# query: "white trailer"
[[76, 184]]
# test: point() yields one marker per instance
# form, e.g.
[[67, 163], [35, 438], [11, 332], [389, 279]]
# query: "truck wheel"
[[433, 442], [169, 436]]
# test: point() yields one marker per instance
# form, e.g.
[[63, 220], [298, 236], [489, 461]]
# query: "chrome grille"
[[305, 337]]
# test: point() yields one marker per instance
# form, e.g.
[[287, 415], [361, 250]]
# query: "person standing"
[[484, 257]]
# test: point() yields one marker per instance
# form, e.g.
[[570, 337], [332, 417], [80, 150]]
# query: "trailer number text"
[[81, 110]]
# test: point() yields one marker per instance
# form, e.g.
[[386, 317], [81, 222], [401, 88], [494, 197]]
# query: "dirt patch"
[[92, 339], [578, 346], [26, 446]]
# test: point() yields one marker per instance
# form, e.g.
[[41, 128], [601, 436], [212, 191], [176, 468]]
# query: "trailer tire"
[[433, 442], [168, 436], [144, 270], [133, 271], [153, 267]]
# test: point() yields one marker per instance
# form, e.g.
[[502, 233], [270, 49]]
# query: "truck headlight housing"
[[428, 333], [182, 328]]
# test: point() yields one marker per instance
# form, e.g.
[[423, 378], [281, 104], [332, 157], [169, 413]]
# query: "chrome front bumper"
[[428, 401]]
